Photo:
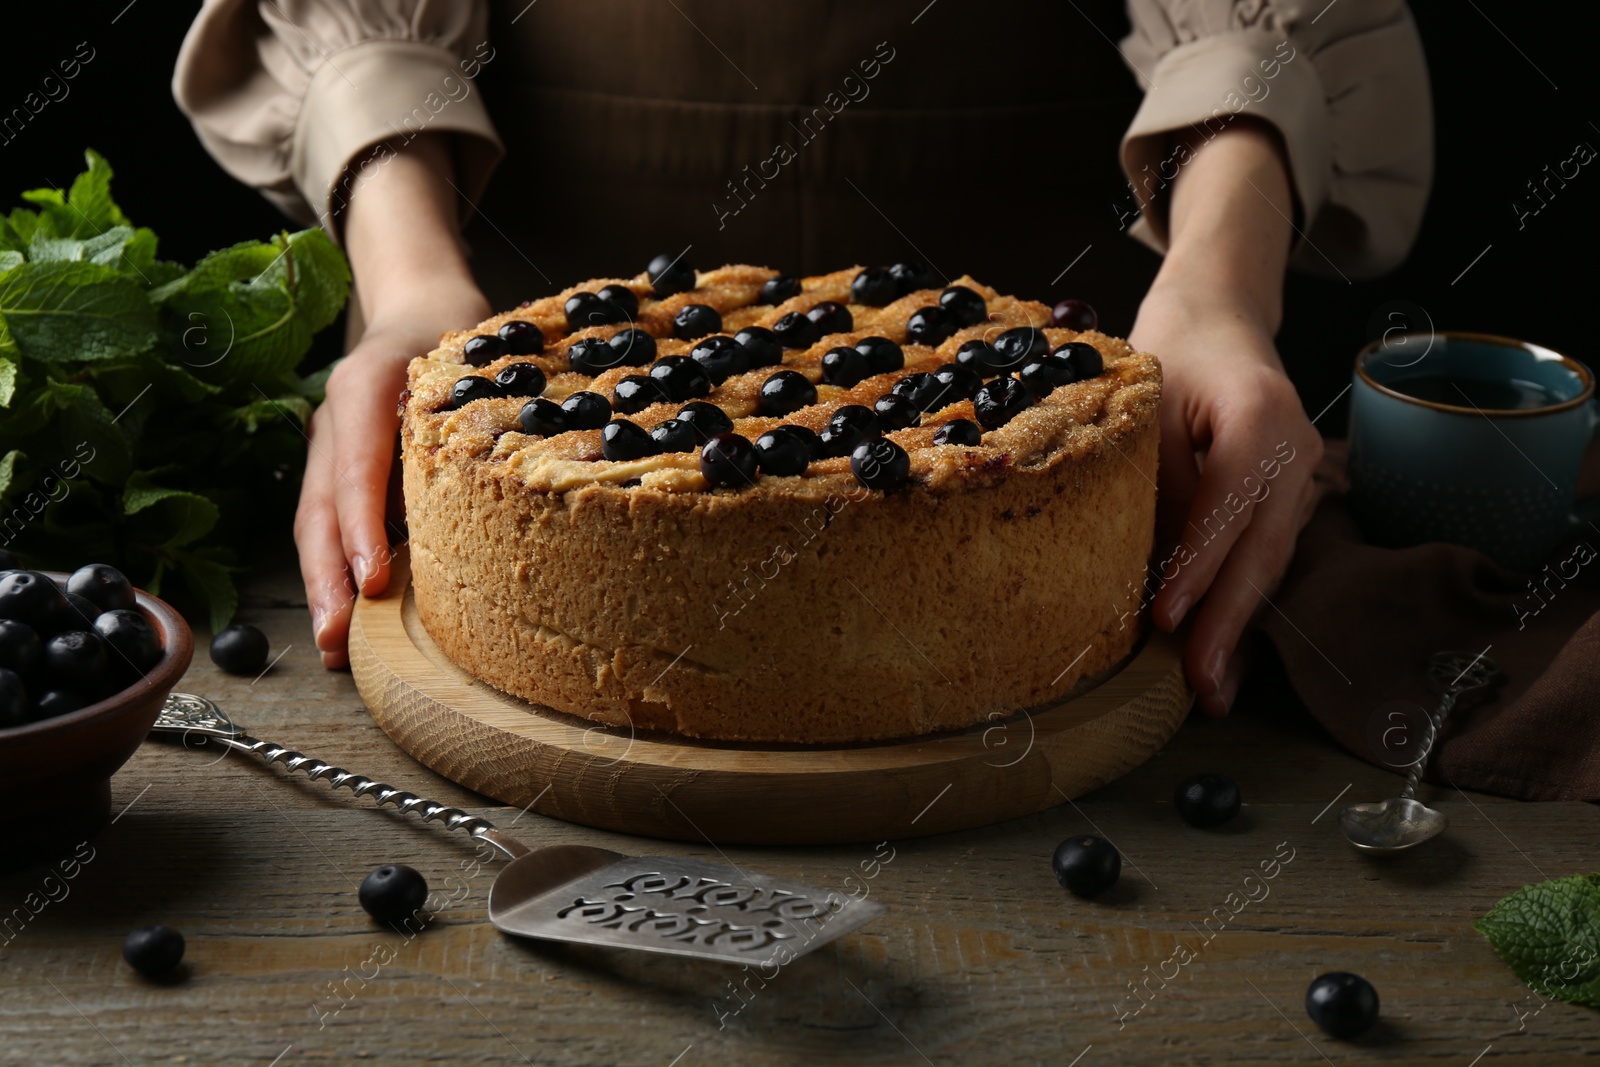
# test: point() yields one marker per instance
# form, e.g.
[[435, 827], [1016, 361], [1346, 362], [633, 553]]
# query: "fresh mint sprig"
[[151, 415]]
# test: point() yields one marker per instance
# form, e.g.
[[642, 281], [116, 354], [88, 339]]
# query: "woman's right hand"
[[411, 277]]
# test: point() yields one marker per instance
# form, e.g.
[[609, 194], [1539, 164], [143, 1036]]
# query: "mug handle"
[[1587, 512]]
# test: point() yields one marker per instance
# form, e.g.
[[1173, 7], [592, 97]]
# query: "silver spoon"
[[1404, 822]]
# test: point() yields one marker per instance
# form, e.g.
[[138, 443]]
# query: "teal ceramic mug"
[[1471, 439]]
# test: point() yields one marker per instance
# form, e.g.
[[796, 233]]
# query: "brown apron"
[[980, 138]]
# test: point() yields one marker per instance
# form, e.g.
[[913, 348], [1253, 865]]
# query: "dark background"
[[1511, 93]]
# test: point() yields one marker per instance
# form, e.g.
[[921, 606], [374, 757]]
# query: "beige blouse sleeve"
[[1344, 82], [285, 94]]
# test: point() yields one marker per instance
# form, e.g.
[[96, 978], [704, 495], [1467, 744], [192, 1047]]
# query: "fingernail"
[[360, 565], [1180, 608], [1214, 668], [319, 616], [1230, 686]]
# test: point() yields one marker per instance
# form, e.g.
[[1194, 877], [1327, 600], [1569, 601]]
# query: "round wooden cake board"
[[665, 786]]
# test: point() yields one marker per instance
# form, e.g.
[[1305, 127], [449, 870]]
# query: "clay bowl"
[[55, 774]]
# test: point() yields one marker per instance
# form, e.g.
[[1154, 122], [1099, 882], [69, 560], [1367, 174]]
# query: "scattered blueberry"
[[130, 638], [153, 951], [623, 440], [240, 649], [895, 412], [794, 330], [909, 277], [393, 893], [522, 338], [1086, 866], [850, 425], [20, 647], [473, 387], [633, 348], [675, 435], [1084, 359], [1000, 401], [1074, 315], [543, 417], [1342, 1004], [695, 320], [706, 419], [482, 350], [762, 346], [959, 381], [883, 355], [922, 389], [669, 275], [585, 411], [958, 432], [831, 317], [680, 378], [635, 393], [728, 461], [781, 451], [787, 392], [875, 287], [929, 326], [588, 309], [595, 355], [965, 306], [1207, 799], [520, 379], [13, 698], [102, 585], [622, 298], [777, 290], [880, 464], [1015, 347], [721, 356], [845, 367]]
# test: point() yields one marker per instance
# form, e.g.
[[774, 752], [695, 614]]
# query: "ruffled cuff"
[[388, 91], [1198, 88]]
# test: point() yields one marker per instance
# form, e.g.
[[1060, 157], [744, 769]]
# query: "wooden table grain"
[[1201, 954]]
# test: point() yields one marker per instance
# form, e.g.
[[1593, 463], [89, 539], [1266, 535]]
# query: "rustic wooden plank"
[[981, 958]]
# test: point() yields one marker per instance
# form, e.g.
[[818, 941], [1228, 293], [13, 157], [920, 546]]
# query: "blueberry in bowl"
[[77, 696]]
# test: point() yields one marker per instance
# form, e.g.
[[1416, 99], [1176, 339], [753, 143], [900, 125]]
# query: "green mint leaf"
[[8, 468], [10, 258], [105, 248], [21, 223], [8, 382], [61, 312], [296, 409], [1549, 935], [84, 423], [247, 314], [89, 199], [212, 582], [171, 518]]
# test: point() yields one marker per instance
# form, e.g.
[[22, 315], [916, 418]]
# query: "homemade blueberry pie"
[[851, 507]]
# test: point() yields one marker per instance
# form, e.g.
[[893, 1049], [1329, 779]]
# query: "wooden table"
[[981, 959]]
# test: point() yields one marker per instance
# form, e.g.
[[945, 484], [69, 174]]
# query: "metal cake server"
[[1403, 822], [681, 907]]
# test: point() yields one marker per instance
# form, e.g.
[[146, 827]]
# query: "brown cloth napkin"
[[1354, 625]]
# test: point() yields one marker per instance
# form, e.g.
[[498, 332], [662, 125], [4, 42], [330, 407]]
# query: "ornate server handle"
[[1435, 724], [185, 714]]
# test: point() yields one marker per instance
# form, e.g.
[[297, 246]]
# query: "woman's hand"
[[412, 281], [1227, 525], [1237, 450]]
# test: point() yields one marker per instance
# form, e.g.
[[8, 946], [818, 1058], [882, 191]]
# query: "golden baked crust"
[[803, 608]]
